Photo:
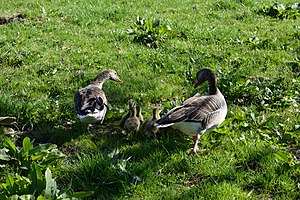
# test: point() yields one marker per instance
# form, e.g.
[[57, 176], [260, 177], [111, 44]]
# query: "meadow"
[[49, 49]]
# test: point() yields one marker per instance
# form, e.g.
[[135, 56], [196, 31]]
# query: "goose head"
[[204, 75], [107, 75], [156, 111], [131, 103], [113, 76], [207, 75], [133, 112], [132, 123]]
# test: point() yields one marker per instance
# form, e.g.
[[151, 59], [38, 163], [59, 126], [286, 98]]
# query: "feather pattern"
[[131, 103], [195, 109], [90, 102], [149, 128], [133, 123], [198, 114]]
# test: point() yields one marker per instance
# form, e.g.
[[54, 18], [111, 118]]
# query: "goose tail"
[[160, 124]]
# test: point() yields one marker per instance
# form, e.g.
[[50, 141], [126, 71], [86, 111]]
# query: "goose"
[[149, 128], [132, 124], [90, 103], [131, 103], [198, 114]]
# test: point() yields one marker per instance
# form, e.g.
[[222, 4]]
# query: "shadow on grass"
[[255, 172], [123, 161], [59, 135]]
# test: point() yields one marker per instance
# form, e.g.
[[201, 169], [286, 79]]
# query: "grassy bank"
[[50, 49]]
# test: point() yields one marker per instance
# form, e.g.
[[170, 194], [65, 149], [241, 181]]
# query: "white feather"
[[162, 125], [189, 128], [97, 115]]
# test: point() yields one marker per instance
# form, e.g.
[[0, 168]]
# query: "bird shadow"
[[55, 134]]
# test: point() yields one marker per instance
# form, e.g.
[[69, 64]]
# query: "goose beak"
[[117, 79], [197, 83]]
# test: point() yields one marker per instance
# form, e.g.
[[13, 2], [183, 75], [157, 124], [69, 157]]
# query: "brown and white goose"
[[90, 103], [149, 128], [198, 114], [133, 123]]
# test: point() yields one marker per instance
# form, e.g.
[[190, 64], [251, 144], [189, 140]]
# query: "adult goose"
[[198, 114], [90, 103], [133, 123], [149, 128]]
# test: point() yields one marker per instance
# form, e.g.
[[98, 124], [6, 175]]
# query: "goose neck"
[[155, 114], [98, 84], [212, 82], [101, 78], [132, 112]]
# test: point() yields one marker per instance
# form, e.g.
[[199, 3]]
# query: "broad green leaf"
[[37, 184], [39, 156], [51, 187], [27, 197], [9, 144], [10, 181], [282, 156], [92, 145], [14, 197], [149, 25], [82, 194], [10, 185], [42, 147], [27, 146], [41, 198]]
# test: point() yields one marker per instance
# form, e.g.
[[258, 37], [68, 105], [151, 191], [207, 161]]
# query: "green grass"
[[56, 47]]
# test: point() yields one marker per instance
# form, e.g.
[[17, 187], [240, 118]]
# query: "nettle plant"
[[26, 170], [151, 33]]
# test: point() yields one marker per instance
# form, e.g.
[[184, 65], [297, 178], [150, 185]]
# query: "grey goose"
[[198, 114], [90, 102]]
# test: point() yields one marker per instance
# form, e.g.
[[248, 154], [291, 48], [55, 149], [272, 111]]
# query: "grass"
[[51, 49]]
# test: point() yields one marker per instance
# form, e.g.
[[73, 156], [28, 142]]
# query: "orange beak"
[[117, 79]]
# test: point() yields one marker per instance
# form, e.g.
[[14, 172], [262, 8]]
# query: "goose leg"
[[195, 148], [88, 126]]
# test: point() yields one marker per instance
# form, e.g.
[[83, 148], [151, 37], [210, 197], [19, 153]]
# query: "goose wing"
[[123, 120], [194, 109], [89, 99]]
